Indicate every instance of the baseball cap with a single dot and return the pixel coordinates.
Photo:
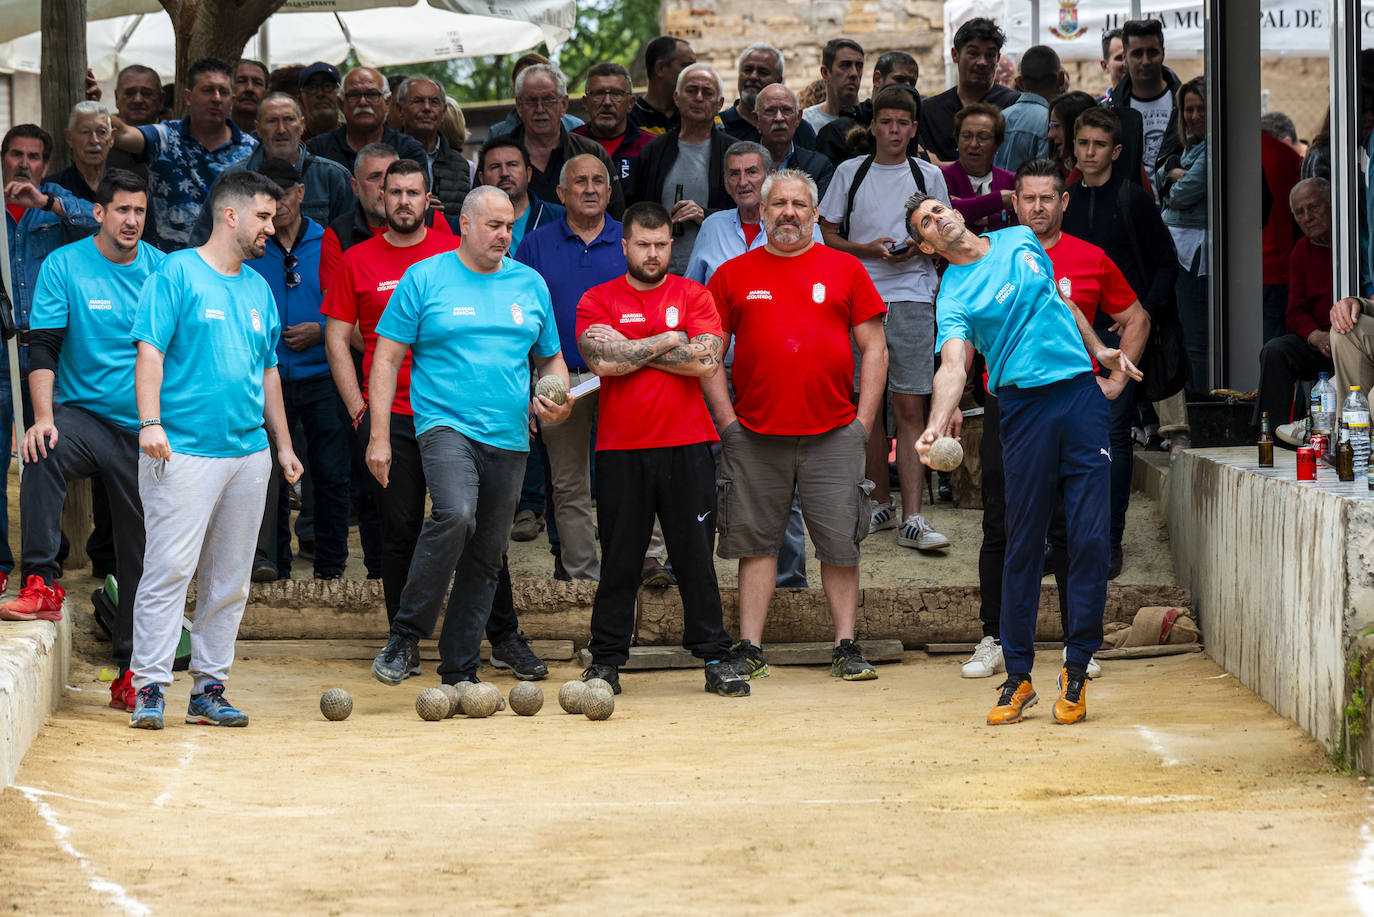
(320, 67)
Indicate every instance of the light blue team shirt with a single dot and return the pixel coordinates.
(1007, 306)
(470, 338)
(93, 300)
(218, 334)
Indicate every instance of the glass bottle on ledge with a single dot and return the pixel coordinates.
(1266, 443)
(1345, 455)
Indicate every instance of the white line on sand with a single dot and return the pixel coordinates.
(1362, 870)
(1140, 800)
(188, 753)
(1156, 745)
(127, 903)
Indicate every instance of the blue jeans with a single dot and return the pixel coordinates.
(312, 404)
(474, 488)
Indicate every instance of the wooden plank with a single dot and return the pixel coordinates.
(548, 650)
(1149, 652)
(937, 649)
(675, 657)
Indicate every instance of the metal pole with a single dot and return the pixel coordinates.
(1035, 22)
(1135, 9)
(1345, 178)
(264, 49)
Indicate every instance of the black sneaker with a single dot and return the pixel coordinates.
(514, 653)
(847, 661)
(397, 661)
(560, 572)
(747, 660)
(722, 678)
(608, 673)
(1115, 562)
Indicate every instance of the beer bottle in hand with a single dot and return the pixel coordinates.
(678, 228)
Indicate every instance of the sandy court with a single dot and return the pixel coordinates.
(1181, 793)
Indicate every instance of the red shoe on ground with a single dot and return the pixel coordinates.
(37, 601)
(122, 695)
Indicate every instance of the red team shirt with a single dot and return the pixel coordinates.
(650, 408)
(362, 287)
(792, 317)
(331, 250)
(1088, 278)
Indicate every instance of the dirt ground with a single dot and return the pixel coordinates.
(1182, 792)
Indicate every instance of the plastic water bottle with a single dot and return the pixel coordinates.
(1356, 417)
(1322, 406)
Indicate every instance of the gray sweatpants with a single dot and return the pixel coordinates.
(201, 519)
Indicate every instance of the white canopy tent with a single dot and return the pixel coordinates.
(122, 32)
(1074, 28)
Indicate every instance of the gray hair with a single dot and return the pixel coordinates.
(404, 89)
(548, 70)
(784, 88)
(1277, 124)
(87, 108)
(563, 172)
(386, 87)
(750, 148)
(282, 97)
(477, 198)
(693, 68)
(761, 46)
(790, 175)
(373, 151)
(913, 204)
(1316, 182)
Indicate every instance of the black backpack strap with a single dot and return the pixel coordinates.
(853, 192)
(1123, 206)
(916, 174)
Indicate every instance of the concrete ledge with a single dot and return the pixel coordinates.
(552, 610)
(1280, 573)
(34, 656)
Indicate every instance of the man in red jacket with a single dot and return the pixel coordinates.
(1282, 168)
(1305, 350)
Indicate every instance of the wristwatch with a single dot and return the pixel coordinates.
(47, 205)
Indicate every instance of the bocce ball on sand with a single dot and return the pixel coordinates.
(454, 696)
(336, 704)
(570, 696)
(432, 704)
(598, 704)
(598, 683)
(526, 698)
(482, 699)
(553, 388)
(946, 454)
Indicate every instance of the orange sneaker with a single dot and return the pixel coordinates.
(1017, 694)
(122, 695)
(37, 601)
(1072, 706)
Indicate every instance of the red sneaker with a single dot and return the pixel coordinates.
(37, 601)
(122, 695)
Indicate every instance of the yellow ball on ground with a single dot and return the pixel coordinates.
(946, 454)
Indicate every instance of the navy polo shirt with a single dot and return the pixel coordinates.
(571, 267)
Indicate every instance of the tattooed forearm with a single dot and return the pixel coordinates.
(618, 358)
(698, 357)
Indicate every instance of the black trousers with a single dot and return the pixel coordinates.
(678, 485)
(993, 552)
(401, 508)
(87, 445)
(1285, 361)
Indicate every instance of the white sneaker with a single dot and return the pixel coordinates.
(986, 660)
(1291, 433)
(917, 533)
(884, 516)
(1094, 670)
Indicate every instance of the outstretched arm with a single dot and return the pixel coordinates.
(698, 357)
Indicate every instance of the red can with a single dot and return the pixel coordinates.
(1318, 442)
(1307, 464)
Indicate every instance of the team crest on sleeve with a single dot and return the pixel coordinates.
(1030, 262)
(1066, 287)
(517, 314)
(818, 292)
(670, 315)
(256, 319)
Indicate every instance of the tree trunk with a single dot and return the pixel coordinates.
(213, 28)
(63, 81)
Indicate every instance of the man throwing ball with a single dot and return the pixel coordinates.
(999, 296)
(651, 337)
